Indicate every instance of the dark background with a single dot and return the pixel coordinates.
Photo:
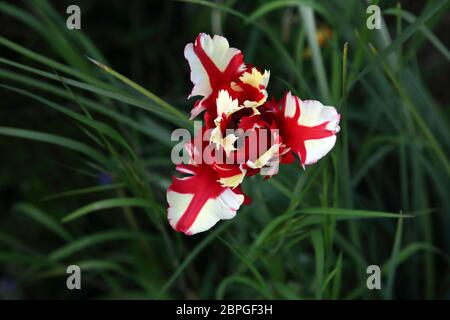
(144, 40)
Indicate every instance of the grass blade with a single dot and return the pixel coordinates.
(107, 204)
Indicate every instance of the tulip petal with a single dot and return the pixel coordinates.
(213, 63)
(308, 127)
(198, 202)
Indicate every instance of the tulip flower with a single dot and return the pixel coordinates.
(244, 132)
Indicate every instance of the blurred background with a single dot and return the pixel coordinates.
(85, 158)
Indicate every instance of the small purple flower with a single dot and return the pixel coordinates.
(105, 178)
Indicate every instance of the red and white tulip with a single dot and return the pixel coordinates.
(234, 96)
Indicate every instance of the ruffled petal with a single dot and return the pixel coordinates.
(213, 64)
(226, 106)
(265, 158)
(308, 127)
(256, 78)
(231, 175)
(198, 202)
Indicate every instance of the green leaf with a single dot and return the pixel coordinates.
(275, 5)
(54, 139)
(423, 28)
(190, 257)
(319, 253)
(407, 33)
(107, 204)
(394, 256)
(350, 213)
(49, 62)
(147, 128)
(309, 24)
(153, 97)
(91, 240)
(87, 190)
(97, 125)
(43, 219)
